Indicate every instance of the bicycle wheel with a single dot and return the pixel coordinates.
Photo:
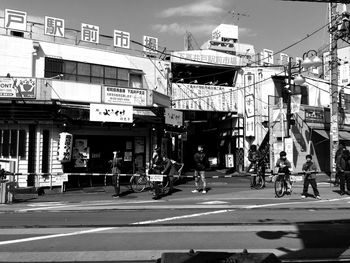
(259, 182)
(279, 186)
(138, 183)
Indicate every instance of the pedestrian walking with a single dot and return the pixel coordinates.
(116, 164)
(309, 168)
(200, 163)
(156, 167)
(338, 153)
(343, 168)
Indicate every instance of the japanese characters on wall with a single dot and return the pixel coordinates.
(204, 97)
(53, 26)
(173, 117)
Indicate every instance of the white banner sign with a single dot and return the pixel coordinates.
(204, 57)
(204, 97)
(125, 96)
(173, 117)
(111, 113)
(17, 88)
(16, 20)
(295, 103)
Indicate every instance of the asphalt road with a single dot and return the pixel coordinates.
(90, 226)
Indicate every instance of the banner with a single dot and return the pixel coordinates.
(111, 113)
(65, 143)
(204, 97)
(295, 103)
(125, 96)
(17, 88)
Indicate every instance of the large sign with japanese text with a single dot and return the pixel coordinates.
(150, 44)
(173, 117)
(90, 33)
(204, 97)
(16, 20)
(111, 113)
(125, 96)
(17, 88)
(121, 39)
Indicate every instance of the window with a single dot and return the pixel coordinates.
(89, 73)
(13, 143)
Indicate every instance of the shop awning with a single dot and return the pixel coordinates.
(343, 135)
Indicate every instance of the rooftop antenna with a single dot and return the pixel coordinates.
(237, 15)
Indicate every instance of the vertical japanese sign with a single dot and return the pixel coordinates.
(249, 98)
(65, 143)
(16, 20)
(284, 58)
(121, 39)
(111, 113)
(150, 44)
(90, 33)
(54, 26)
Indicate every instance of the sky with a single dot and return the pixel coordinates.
(270, 24)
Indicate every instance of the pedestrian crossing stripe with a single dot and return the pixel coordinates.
(213, 203)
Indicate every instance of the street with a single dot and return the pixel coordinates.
(88, 225)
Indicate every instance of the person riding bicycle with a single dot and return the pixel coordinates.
(284, 166)
(257, 160)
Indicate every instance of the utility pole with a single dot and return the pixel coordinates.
(333, 47)
(288, 115)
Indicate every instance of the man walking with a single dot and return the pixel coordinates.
(343, 168)
(309, 168)
(200, 163)
(116, 169)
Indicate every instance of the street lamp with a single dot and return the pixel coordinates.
(193, 82)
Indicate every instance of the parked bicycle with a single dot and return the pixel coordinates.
(141, 182)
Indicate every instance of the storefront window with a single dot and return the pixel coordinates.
(11, 141)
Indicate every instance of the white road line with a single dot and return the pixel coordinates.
(44, 208)
(21, 240)
(182, 217)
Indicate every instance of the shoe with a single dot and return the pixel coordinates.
(204, 192)
(303, 196)
(195, 191)
(115, 196)
(318, 197)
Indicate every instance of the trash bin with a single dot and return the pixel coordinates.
(5, 192)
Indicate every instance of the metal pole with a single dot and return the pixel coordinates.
(334, 132)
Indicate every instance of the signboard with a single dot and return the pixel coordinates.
(267, 56)
(80, 153)
(16, 20)
(284, 59)
(173, 117)
(205, 57)
(229, 161)
(125, 96)
(121, 39)
(204, 97)
(295, 103)
(65, 143)
(111, 113)
(54, 26)
(225, 31)
(249, 98)
(90, 33)
(150, 44)
(17, 88)
(314, 115)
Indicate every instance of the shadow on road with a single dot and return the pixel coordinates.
(320, 240)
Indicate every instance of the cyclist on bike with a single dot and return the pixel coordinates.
(257, 160)
(284, 166)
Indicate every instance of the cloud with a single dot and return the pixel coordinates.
(180, 29)
(197, 9)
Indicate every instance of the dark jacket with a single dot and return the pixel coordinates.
(255, 156)
(343, 164)
(200, 161)
(117, 165)
(309, 167)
